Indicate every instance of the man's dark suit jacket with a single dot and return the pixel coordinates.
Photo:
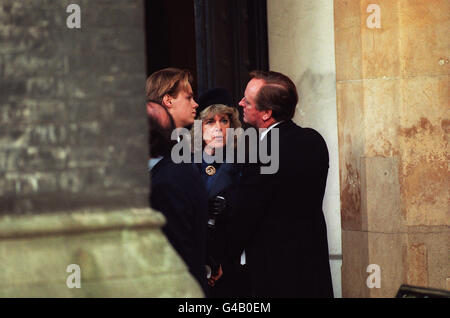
(280, 222)
(179, 193)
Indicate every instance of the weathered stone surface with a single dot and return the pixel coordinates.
(428, 256)
(150, 286)
(381, 204)
(347, 19)
(422, 134)
(120, 254)
(382, 98)
(417, 265)
(392, 99)
(380, 46)
(424, 37)
(355, 259)
(387, 250)
(351, 148)
(67, 98)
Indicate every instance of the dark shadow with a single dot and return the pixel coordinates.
(170, 35)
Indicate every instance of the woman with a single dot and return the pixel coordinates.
(221, 177)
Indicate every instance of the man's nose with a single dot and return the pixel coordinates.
(241, 103)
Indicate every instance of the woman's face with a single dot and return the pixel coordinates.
(215, 130)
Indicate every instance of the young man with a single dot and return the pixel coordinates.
(279, 220)
(171, 87)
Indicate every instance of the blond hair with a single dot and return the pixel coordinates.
(219, 109)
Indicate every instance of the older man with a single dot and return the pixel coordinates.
(280, 222)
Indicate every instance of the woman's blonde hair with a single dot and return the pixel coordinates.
(220, 109)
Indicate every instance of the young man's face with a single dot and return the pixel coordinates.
(183, 108)
(252, 115)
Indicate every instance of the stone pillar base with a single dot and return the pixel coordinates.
(119, 254)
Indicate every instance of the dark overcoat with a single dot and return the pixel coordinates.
(225, 183)
(179, 193)
(279, 219)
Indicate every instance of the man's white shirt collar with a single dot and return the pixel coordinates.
(265, 132)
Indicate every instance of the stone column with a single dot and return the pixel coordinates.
(74, 181)
(392, 67)
(119, 253)
(73, 129)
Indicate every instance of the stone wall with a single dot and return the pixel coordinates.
(119, 253)
(72, 123)
(393, 122)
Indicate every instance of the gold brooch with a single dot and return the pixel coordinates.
(210, 170)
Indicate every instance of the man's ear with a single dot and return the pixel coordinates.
(167, 101)
(266, 114)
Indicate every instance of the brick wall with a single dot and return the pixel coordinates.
(72, 116)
